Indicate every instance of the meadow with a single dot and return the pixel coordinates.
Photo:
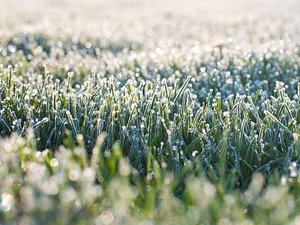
(115, 112)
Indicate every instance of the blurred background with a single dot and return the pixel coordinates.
(190, 22)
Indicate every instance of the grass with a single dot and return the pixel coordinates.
(105, 131)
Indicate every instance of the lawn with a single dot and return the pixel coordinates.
(149, 113)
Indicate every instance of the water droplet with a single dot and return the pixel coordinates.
(6, 202)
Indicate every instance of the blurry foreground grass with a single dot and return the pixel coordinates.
(66, 187)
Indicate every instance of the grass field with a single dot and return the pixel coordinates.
(136, 112)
